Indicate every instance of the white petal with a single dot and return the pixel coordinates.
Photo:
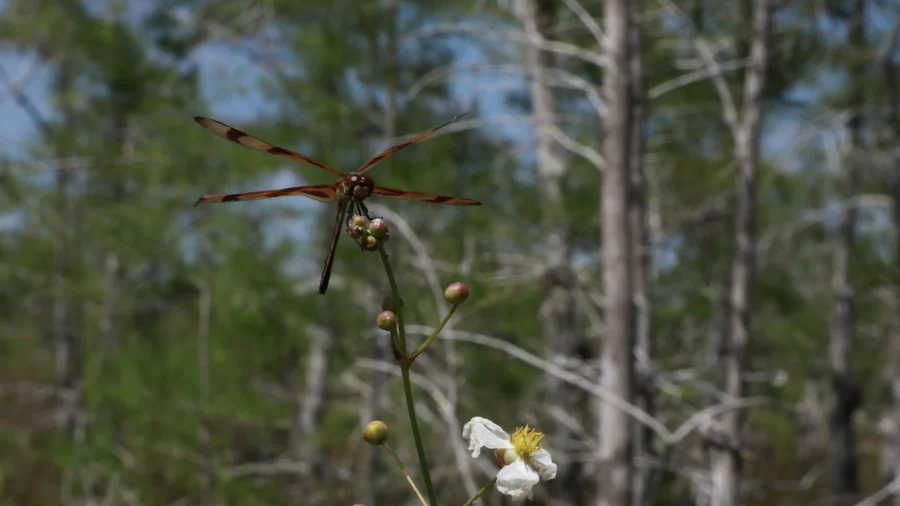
(516, 480)
(483, 432)
(545, 466)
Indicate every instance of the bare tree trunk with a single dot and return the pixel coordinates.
(204, 434)
(893, 89)
(66, 312)
(311, 401)
(844, 473)
(615, 427)
(113, 259)
(641, 257)
(110, 317)
(67, 374)
(726, 460)
(557, 309)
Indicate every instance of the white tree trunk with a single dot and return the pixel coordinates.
(892, 82)
(726, 461)
(643, 488)
(844, 474)
(557, 312)
(615, 427)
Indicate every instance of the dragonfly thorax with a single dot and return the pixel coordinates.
(357, 186)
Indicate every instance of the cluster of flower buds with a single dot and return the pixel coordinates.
(369, 235)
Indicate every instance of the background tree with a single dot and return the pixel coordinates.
(156, 353)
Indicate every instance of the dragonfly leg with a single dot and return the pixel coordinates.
(365, 211)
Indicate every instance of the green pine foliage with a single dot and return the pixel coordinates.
(191, 328)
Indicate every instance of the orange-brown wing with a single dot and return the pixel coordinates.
(244, 139)
(320, 192)
(424, 197)
(393, 150)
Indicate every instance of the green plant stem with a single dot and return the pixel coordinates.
(395, 343)
(405, 364)
(481, 492)
(398, 303)
(436, 332)
(417, 436)
(405, 473)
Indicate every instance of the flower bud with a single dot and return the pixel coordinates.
(375, 433)
(387, 304)
(371, 243)
(357, 221)
(386, 320)
(456, 293)
(379, 228)
(356, 232)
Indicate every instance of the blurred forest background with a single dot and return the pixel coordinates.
(688, 207)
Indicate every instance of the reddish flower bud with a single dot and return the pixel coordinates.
(387, 304)
(456, 293)
(356, 232)
(386, 320)
(357, 221)
(379, 228)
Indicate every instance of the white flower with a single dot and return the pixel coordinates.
(523, 461)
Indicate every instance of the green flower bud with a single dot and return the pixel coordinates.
(371, 243)
(375, 433)
(505, 456)
(456, 293)
(510, 455)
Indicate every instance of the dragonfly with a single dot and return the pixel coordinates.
(350, 190)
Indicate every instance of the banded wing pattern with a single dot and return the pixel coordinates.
(247, 140)
(424, 197)
(320, 192)
(391, 151)
(350, 190)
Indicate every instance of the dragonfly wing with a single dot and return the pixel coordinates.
(320, 192)
(394, 149)
(424, 197)
(247, 140)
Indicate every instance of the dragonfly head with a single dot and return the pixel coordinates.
(358, 186)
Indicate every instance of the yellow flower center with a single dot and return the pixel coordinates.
(526, 441)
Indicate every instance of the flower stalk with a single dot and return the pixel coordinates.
(481, 492)
(405, 364)
(405, 473)
(434, 334)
